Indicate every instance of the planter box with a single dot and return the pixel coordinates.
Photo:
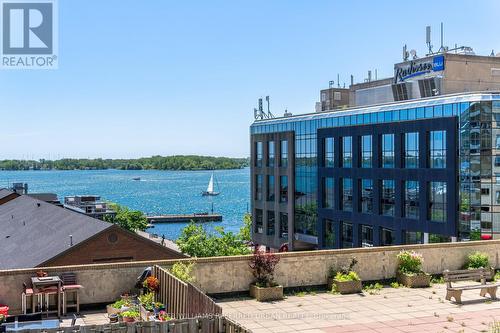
(348, 287)
(266, 294)
(112, 310)
(145, 314)
(420, 280)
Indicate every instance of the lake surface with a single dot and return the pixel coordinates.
(158, 192)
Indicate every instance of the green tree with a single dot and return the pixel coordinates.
(195, 241)
(126, 218)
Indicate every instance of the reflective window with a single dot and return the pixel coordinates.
(346, 200)
(284, 154)
(366, 151)
(329, 240)
(366, 236)
(411, 150)
(270, 154)
(329, 152)
(328, 192)
(366, 196)
(347, 152)
(413, 237)
(347, 235)
(271, 225)
(388, 198)
(437, 201)
(437, 140)
(259, 221)
(387, 237)
(283, 225)
(258, 187)
(283, 188)
(412, 191)
(270, 188)
(258, 154)
(388, 150)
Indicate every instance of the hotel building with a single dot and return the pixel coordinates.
(403, 160)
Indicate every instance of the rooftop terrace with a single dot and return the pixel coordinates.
(387, 310)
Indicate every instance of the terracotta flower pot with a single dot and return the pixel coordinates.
(128, 319)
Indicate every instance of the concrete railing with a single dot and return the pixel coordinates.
(103, 283)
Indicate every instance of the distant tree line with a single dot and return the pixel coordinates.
(180, 162)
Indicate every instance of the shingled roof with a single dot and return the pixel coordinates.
(33, 231)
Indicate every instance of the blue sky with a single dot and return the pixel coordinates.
(155, 77)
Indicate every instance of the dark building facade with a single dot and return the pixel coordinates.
(408, 172)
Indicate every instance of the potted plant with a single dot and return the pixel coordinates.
(152, 284)
(477, 259)
(118, 306)
(346, 280)
(264, 287)
(162, 316)
(130, 316)
(410, 273)
(157, 307)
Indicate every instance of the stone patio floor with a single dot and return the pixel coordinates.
(390, 310)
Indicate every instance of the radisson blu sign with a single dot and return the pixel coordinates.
(417, 67)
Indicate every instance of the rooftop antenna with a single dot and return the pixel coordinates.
(331, 84)
(376, 74)
(428, 38)
(442, 38)
(338, 80)
(352, 79)
(406, 55)
(492, 54)
(413, 54)
(269, 114)
(369, 76)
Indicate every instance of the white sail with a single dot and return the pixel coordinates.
(210, 188)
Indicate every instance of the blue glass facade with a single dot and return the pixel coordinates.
(432, 133)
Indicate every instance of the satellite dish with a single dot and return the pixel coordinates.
(413, 53)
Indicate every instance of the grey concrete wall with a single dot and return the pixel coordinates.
(105, 282)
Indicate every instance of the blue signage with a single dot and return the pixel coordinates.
(438, 63)
(418, 67)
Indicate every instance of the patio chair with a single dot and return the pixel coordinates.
(70, 286)
(35, 298)
(50, 291)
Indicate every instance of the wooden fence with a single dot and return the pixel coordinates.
(183, 300)
(191, 325)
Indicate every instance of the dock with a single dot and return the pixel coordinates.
(183, 218)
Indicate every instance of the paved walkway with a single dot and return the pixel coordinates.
(390, 310)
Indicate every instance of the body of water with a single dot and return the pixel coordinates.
(158, 192)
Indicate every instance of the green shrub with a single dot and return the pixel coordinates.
(131, 314)
(147, 301)
(395, 285)
(120, 303)
(351, 276)
(183, 271)
(373, 289)
(410, 262)
(477, 260)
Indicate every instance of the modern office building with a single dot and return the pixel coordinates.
(416, 169)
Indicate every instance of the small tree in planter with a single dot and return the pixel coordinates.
(477, 259)
(345, 280)
(410, 273)
(265, 288)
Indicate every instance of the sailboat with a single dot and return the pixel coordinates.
(210, 188)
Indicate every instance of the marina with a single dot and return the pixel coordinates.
(185, 218)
